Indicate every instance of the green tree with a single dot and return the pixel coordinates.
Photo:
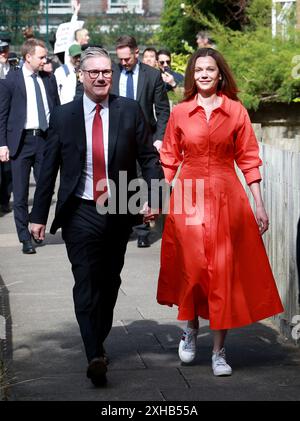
(177, 25)
(125, 23)
(266, 68)
(16, 14)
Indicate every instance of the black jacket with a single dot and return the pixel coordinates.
(151, 95)
(129, 140)
(13, 103)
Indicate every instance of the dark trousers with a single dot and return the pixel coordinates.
(29, 156)
(5, 182)
(97, 260)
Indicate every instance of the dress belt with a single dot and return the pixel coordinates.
(35, 132)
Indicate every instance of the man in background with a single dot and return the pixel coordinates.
(150, 57)
(27, 96)
(143, 83)
(5, 167)
(67, 74)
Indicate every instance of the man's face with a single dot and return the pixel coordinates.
(84, 37)
(76, 61)
(127, 58)
(96, 87)
(164, 61)
(37, 60)
(4, 54)
(202, 42)
(149, 58)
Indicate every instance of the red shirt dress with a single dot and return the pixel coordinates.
(213, 260)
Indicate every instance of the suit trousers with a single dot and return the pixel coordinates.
(5, 182)
(29, 155)
(96, 246)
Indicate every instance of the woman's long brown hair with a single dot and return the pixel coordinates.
(226, 86)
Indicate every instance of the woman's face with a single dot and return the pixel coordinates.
(206, 75)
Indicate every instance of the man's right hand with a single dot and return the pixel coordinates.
(4, 154)
(38, 231)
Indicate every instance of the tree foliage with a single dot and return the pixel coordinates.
(266, 68)
(178, 26)
(125, 23)
(17, 14)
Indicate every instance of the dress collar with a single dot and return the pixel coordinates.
(193, 106)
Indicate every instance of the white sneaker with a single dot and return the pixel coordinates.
(219, 364)
(187, 345)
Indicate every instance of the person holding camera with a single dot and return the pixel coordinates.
(172, 79)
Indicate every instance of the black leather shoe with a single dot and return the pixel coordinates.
(28, 247)
(5, 208)
(96, 371)
(143, 242)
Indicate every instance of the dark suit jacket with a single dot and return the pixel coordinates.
(129, 140)
(13, 105)
(150, 91)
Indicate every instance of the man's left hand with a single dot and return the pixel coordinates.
(150, 215)
(38, 231)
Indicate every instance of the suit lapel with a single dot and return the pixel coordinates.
(114, 117)
(116, 79)
(141, 80)
(46, 84)
(21, 83)
(78, 128)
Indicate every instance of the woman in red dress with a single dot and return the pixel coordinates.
(213, 261)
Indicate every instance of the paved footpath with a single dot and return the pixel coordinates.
(44, 354)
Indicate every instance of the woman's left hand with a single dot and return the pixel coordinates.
(262, 219)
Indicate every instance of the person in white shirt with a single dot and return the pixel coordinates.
(66, 75)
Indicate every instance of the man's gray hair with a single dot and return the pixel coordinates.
(93, 52)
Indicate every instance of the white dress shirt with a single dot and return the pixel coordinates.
(66, 84)
(123, 80)
(4, 69)
(32, 119)
(85, 187)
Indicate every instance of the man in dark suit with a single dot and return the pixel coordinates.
(97, 138)
(27, 97)
(5, 167)
(136, 80)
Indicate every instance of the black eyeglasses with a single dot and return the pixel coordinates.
(94, 74)
(162, 62)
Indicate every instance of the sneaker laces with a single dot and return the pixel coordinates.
(189, 337)
(220, 358)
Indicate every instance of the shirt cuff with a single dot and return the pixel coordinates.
(252, 175)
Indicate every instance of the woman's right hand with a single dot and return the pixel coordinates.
(262, 219)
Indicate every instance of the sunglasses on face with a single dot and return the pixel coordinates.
(162, 62)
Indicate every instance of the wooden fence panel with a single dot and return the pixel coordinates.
(281, 194)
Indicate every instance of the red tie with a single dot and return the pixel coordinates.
(99, 172)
